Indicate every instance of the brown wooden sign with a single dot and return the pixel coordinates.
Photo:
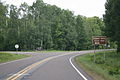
(97, 40)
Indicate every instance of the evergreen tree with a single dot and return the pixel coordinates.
(112, 21)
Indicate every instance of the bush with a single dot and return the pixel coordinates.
(114, 71)
(99, 60)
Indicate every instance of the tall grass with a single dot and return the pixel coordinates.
(109, 68)
(5, 57)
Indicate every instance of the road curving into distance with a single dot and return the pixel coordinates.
(44, 66)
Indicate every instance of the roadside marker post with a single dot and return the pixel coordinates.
(104, 51)
(99, 40)
(16, 46)
(94, 54)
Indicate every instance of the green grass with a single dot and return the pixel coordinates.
(5, 57)
(108, 69)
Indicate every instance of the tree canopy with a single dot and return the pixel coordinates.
(46, 26)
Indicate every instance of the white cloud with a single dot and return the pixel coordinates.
(87, 8)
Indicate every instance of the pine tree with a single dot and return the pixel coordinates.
(112, 21)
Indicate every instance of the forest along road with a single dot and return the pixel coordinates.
(44, 66)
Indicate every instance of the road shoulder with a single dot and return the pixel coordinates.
(81, 72)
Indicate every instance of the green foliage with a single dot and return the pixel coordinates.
(114, 71)
(44, 26)
(99, 60)
(81, 34)
(3, 12)
(112, 21)
(108, 69)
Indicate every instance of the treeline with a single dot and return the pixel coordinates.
(112, 21)
(46, 26)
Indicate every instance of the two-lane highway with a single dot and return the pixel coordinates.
(44, 66)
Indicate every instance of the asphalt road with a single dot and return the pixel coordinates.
(44, 66)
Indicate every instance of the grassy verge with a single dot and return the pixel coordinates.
(108, 69)
(5, 57)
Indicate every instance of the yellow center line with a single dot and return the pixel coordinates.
(17, 75)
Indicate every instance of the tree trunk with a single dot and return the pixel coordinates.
(118, 48)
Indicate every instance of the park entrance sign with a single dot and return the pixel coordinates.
(99, 40)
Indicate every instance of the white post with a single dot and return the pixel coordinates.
(16, 46)
(94, 54)
(104, 51)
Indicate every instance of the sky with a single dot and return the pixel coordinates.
(88, 8)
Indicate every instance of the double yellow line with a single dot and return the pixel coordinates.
(20, 73)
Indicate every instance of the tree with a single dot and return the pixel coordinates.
(3, 25)
(12, 31)
(93, 27)
(112, 21)
(81, 34)
(45, 26)
(25, 27)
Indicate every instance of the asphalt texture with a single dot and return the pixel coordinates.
(58, 68)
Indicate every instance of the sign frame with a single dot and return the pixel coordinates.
(99, 40)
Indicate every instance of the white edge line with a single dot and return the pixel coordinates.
(77, 69)
(14, 61)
